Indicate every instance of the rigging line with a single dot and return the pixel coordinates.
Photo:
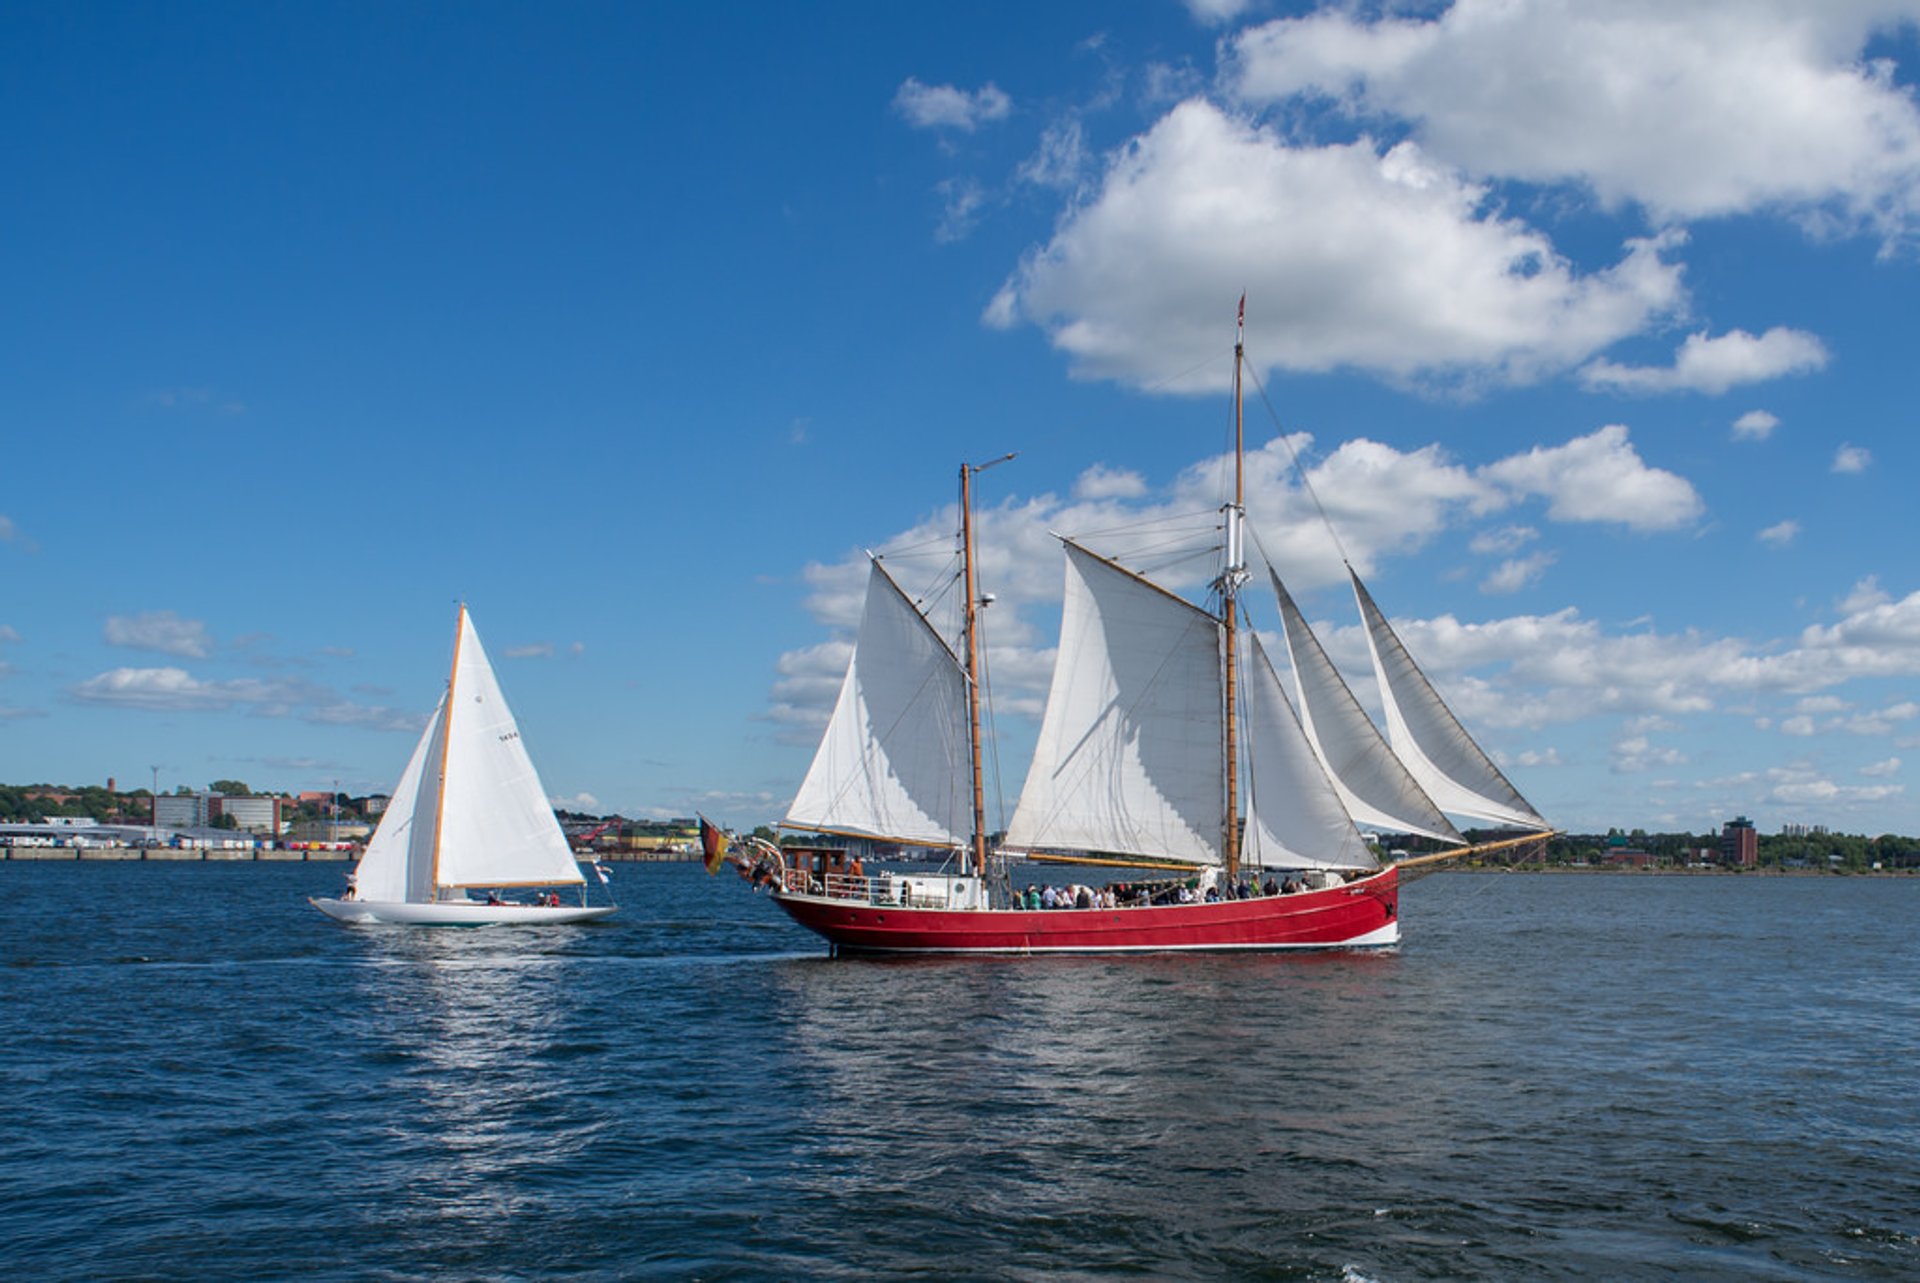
(1293, 458)
(1211, 515)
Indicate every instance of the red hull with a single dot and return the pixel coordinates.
(1362, 913)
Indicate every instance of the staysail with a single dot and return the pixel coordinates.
(1374, 784)
(398, 863)
(893, 761)
(1128, 757)
(1295, 816)
(1437, 751)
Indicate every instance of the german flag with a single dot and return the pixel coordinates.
(713, 845)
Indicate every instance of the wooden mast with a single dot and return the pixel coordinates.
(1231, 577)
(446, 746)
(972, 617)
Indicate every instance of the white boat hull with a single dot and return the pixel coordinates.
(457, 913)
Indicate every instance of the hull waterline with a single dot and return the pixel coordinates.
(1358, 914)
(457, 913)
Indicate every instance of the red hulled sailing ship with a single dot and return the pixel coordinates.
(1167, 745)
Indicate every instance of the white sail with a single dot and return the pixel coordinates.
(398, 863)
(497, 827)
(893, 762)
(1129, 753)
(1374, 785)
(1295, 817)
(1437, 751)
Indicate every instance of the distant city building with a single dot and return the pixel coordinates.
(183, 810)
(374, 805)
(255, 814)
(1739, 844)
(1803, 830)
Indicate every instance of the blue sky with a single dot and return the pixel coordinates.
(632, 325)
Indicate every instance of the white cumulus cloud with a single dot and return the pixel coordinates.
(945, 107)
(1852, 458)
(1697, 110)
(1713, 365)
(162, 631)
(1351, 257)
(1780, 534)
(1754, 425)
(1601, 477)
(1516, 573)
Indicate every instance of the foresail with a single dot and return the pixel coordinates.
(398, 863)
(893, 761)
(1426, 736)
(1295, 817)
(496, 826)
(1129, 754)
(1372, 782)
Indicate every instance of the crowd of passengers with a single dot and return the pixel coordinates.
(1125, 895)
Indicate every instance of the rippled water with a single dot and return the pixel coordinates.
(1553, 1076)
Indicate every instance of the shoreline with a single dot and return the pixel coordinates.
(210, 855)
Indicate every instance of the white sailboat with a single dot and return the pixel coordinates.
(468, 814)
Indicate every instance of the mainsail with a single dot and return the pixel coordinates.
(893, 761)
(1128, 757)
(1437, 751)
(497, 827)
(1295, 815)
(1372, 782)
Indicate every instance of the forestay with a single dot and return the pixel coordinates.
(1437, 751)
(1128, 759)
(1295, 819)
(893, 761)
(1374, 785)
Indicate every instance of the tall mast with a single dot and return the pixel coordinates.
(972, 616)
(446, 745)
(1231, 577)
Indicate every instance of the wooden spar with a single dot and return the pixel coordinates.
(1033, 857)
(1479, 848)
(973, 660)
(446, 745)
(1229, 588)
(973, 670)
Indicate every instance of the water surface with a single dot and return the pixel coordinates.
(1553, 1076)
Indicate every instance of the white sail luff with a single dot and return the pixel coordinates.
(892, 762)
(1436, 749)
(1375, 785)
(1128, 757)
(1295, 815)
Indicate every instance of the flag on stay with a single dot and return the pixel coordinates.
(601, 870)
(713, 844)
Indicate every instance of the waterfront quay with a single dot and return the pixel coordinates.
(266, 855)
(169, 853)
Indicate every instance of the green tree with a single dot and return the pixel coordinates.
(232, 788)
